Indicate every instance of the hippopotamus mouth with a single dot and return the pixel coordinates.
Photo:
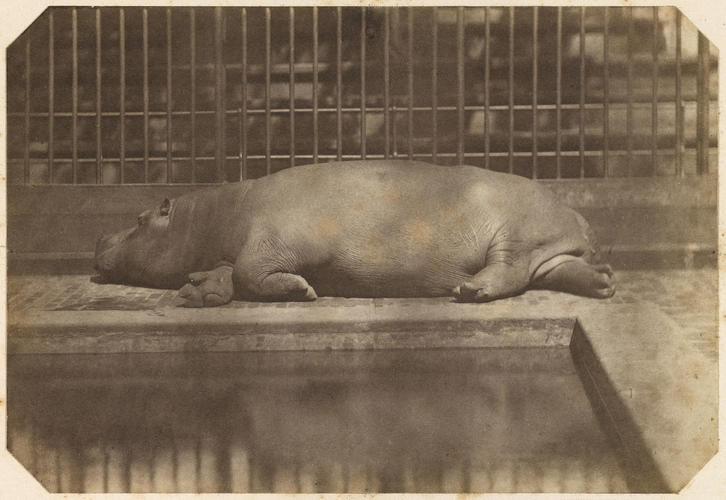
(106, 257)
(100, 279)
(104, 274)
(104, 270)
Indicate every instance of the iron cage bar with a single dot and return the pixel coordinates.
(388, 109)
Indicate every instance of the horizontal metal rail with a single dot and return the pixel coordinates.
(369, 109)
(279, 71)
(473, 154)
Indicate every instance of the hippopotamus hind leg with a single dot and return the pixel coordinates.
(578, 277)
(208, 288)
(495, 281)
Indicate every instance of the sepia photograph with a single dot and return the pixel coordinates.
(361, 249)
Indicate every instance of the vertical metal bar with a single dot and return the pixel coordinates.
(387, 83)
(292, 86)
(316, 135)
(511, 89)
(654, 104)
(396, 29)
(363, 34)
(268, 114)
(606, 92)
(535, 60)
(706, 94)
(26, 114)
(558, 97)
(339, 81)
(629, 117)
(74, 109)
(434, 84)
(243, 104)
(409, 27)
(679, 97)
(193, 90)
(51, 93)
(122, 92)
(219, 95)
(702, 118)
(99, 142)
(487, 76)
(582, 92)
(145, 56)
(168, 95)
(460, 75)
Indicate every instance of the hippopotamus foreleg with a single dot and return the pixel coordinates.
(216, 287)
(208, 288)
(578, 277)
(495, 281)
(276, 287)
(265, 271)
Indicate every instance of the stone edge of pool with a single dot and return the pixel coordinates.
(653, 393)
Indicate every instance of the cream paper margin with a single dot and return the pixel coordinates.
(16, 15)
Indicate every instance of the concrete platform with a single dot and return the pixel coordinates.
(687, 297)
(647, 357)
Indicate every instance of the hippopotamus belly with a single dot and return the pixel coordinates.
(361, 229)
(408, 262)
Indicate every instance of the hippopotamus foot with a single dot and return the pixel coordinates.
(281, 287)
(208, 288)
(578, 277)
(495, 281)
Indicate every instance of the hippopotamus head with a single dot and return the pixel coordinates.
(140, 255)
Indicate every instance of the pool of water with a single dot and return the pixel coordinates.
(447, 420)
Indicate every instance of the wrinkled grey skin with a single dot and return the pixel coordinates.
(360, 229)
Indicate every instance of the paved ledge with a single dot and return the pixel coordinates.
(640, 354)
(296, 328)
(35, 303)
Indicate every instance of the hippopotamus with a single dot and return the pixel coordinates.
(385, 228)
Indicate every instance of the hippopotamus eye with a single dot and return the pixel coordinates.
(140, 220)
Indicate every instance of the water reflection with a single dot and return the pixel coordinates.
(504, 420)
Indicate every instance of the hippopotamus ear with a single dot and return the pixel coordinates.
(165, 206)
